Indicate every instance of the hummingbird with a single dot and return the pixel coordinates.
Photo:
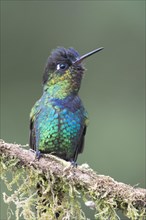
(58, 120)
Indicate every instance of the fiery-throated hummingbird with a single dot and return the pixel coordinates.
(58, 119)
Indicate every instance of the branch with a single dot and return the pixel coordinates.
(99, 192)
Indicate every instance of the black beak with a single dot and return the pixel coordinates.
(87, 55)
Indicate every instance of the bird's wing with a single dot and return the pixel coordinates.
(80, 146)
(32, 137)
(32, 134)
(82, 140)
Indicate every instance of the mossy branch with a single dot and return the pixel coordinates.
(61, 187)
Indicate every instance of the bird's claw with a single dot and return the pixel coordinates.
(74, 163)
(37, 153)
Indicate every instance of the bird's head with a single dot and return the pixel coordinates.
(65, 69)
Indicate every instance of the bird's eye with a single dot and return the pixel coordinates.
(62, 66)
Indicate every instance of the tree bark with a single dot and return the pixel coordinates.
(83, 178)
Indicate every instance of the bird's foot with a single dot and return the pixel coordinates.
(71, 165)
(37, 153)
(74, 163)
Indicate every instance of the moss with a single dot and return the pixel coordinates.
(46, 196)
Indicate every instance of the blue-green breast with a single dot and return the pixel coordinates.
(58, 125)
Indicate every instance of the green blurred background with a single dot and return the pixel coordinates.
(112, 90)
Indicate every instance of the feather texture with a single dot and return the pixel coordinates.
(58, 120)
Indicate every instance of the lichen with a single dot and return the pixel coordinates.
(45, 196)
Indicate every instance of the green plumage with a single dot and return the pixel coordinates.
(58, 120)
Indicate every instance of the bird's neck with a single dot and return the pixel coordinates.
(61, 89)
